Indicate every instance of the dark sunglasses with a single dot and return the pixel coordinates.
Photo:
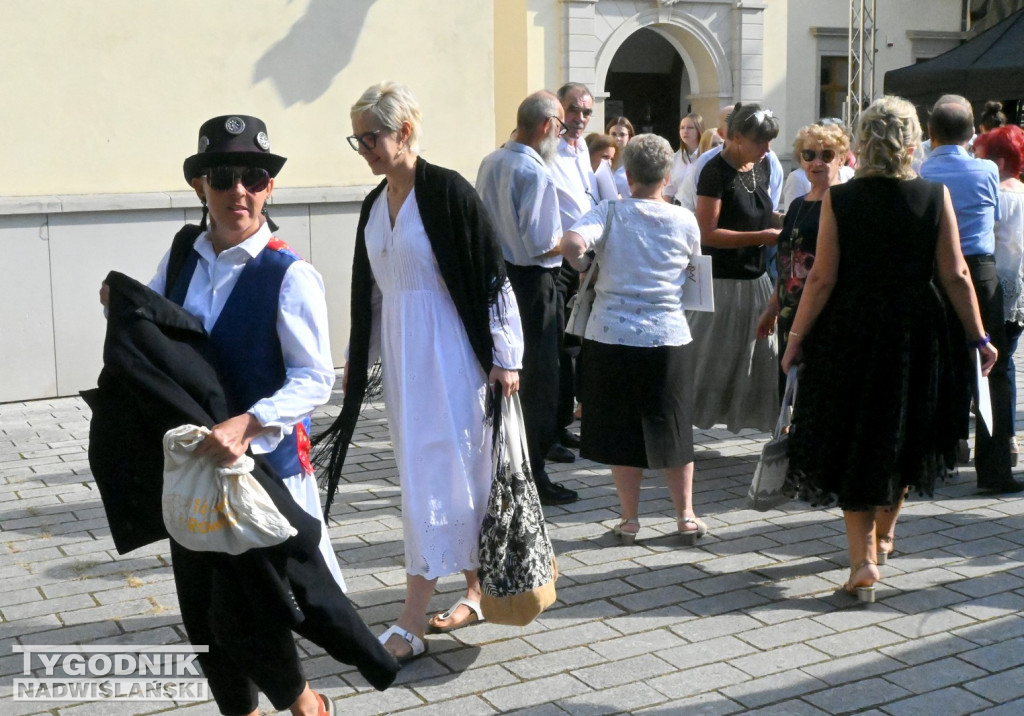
(366, 140)
(809, 155)
(254, 179)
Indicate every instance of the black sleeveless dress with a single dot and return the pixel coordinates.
(873, 411)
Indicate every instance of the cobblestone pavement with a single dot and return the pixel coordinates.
(746, 622)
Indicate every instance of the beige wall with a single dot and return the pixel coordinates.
(107, 96)
(103, 100)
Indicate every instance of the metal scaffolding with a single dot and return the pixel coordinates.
(860, 82)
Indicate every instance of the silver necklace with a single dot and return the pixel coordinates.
(741, 176)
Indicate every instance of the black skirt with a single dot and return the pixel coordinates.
(637, 405)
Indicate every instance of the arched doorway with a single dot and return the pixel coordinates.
(692, 70)
(646, 83)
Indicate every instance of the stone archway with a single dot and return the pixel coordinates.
(719, 41)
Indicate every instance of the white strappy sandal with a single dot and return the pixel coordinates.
(419, 647)
(476, 615)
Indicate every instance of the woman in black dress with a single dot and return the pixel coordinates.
(871, 418)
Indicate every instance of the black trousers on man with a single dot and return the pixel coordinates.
(991, 443)
(537, 296)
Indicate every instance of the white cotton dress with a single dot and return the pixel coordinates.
(434, 394)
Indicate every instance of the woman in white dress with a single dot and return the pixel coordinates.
(429, 289)
(621, 130)
(691, 127)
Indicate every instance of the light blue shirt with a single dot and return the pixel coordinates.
(974, 188)
(519, 192)
(643, 248)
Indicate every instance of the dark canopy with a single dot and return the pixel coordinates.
(990, 66)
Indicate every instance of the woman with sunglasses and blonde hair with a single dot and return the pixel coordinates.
(822, 152)
(430, 294)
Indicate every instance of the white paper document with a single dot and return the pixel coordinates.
(698, 291)
(983, 400)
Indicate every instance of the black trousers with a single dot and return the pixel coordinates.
(569, 363)
(248, 652)
(992, 444)
(537, 296)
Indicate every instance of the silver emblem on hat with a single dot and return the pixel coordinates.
(204, 142)
(234, 125)
(261, 139)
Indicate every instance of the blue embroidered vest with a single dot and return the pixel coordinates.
(245, 348)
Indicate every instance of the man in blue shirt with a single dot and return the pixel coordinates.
(516, 186)
(974, 188)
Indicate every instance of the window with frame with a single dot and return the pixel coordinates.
(832, 85)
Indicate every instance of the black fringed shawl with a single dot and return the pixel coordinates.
(466, 247)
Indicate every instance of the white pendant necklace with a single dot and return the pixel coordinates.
(742, 177)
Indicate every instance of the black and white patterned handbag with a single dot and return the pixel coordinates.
(517, 562)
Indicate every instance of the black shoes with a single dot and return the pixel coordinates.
(570, 439)
(554, 493)
(1009, 487)
(560, 453)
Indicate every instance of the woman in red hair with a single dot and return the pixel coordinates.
(1005, 146)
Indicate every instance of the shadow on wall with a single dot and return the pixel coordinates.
(304, 62)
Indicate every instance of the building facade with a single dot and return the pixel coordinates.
(103, 101)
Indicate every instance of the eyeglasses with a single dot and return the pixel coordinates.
(809, 155)
(366, 140)
(254, 179)
(563, 129)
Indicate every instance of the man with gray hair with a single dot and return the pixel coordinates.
(579, 190)
(518, 190)
(974, 189)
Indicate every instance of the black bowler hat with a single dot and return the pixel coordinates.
(234, 139)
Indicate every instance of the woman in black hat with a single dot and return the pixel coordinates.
(265, 313)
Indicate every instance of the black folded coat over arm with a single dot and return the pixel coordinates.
(155, 377)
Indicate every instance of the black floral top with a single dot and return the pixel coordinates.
(797, 244)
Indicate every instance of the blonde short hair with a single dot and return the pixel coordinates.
(831, 135)
(393, 104)
(887, 133)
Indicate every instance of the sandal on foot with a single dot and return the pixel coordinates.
(327, 708)
(690, 536)
(418, 646)
(863, 592)
(434, 626)
(628, 536)
(883, 554)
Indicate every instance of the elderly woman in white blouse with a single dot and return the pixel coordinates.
(636, 374)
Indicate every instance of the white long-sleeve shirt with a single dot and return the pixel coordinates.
(301, 329)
